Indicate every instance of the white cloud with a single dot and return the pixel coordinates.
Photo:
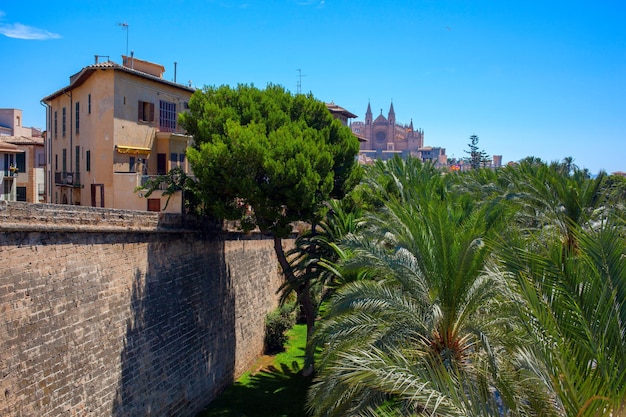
(20, 31)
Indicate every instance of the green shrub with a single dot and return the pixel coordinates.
(276, 325)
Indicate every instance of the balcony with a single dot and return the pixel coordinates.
(145, 178)
(69, 179)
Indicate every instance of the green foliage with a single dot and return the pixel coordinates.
(315, 252)
(277, 323)
(267, 157)
(574, 308)
(615, 187)
(554, 200)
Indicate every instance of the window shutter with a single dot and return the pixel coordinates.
(140, 110)
(151, 112)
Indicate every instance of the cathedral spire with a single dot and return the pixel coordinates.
(392, 114)
(368, 114)
(411, 125)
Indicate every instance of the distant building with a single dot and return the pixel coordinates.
(22, 159)
(11, 124)
(384, 137)
(340, 113)
(463, 164)
(112, 128)
(432, 154)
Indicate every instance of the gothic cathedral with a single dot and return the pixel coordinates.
(385, 135)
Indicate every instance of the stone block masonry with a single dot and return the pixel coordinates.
(119, 313)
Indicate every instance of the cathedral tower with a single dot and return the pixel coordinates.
(368, 125)
(391, 118)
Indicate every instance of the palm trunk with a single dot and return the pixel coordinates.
(306, 304)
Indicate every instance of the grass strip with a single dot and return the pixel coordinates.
(274, 387)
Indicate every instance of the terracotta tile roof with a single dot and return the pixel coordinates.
(333, 108)
(80, 77)
(21, 140)
(9, 148)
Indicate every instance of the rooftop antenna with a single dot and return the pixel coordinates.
(125, 26)
(299, 84)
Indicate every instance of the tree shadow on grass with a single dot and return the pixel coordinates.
(272, 392)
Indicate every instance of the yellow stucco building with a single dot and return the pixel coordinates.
(112, 128)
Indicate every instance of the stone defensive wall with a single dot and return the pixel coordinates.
(122, 313)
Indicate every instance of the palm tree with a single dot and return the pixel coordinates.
(312, 257)
(574, 308)
(431, 334)
(553, 201)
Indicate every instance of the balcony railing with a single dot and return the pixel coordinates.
(71, 179)
(145, 178)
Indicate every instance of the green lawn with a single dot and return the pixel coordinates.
(277, 391)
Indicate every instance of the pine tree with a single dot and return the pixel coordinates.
(477, 158)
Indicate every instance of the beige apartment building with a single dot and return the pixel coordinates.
(22, 159)
(113, 127)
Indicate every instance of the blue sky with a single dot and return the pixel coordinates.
(541, 78)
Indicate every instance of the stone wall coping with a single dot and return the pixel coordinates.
(17, 216)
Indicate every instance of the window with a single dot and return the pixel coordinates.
(88, 161)
(161, 163)
(131, 164)
(167, 116)
(77, 167)
(63, 123)
(56, 162)
(20, 162)
(17, 120)
(77, 117)
(88, 103)
(20, 194)
(145, 111)
(41, 159)
(181, 158)
(8, 160)
(64, 160)
(55, 123)
(154, 204)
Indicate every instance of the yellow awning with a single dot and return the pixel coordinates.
(135, 150)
